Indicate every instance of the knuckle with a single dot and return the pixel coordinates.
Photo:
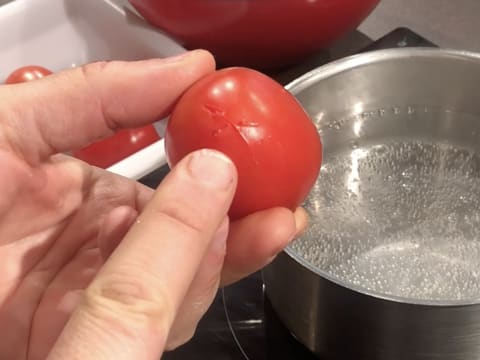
(111, 109)
(183, 215)
(129, 304)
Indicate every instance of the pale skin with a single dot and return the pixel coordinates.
(95, 266)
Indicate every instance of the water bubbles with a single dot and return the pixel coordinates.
(410, 225)
(335, 125)
(408, 174)
(354, 144)
(407, 186)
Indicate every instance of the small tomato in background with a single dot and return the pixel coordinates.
(27, 73)
(260, 126)
(123, 143)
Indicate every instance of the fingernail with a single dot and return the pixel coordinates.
(160, 62)
(212, 168)
(301, 221)
(176, 58)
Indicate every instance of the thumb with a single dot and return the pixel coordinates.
(156, 271)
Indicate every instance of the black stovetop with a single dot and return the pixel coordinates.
(241, 323)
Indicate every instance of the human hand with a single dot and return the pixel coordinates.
(96, 266)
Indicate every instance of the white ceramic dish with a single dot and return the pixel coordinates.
(59, 34)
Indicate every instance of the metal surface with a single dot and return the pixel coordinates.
(389, 268)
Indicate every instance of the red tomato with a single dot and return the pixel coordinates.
(260, 126)
(123, 143)
(27, 73)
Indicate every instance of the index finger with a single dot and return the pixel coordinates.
(73, 108)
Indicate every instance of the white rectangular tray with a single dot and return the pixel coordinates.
(60, 34)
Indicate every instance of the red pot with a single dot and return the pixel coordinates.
(256, 33)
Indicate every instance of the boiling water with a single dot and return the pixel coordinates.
(399, 218)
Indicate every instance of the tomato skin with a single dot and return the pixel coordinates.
(123, 143)
(260, 126)
(26, 74)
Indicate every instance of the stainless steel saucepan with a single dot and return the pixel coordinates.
(390, 266)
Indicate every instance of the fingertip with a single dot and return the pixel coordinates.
(271, 229)
(204, 56)
(196, 61)
(301, 220)
(279, 225)
(255, 240)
